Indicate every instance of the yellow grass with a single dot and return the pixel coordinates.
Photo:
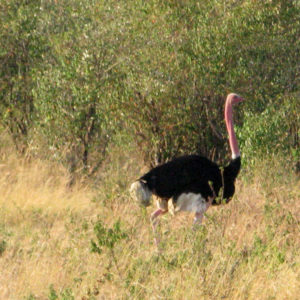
(248, 249)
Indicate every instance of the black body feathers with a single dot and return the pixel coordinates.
(192, 174)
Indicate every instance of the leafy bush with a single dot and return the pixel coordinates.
(190, 56)
(73, 92)
(23, 47)
(274, 131)
(74, 73)
(108, 238)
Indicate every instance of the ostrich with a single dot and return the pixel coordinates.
(192, 182)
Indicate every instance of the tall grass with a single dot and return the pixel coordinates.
(248, 249)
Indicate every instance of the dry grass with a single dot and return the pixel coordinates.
(248, 249)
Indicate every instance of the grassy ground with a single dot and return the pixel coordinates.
(248, 249)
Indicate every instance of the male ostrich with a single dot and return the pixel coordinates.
(192, 182)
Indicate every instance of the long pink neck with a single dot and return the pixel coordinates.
(229, 124)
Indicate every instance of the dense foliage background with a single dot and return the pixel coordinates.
(76, 74)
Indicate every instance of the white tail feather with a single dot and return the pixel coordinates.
(140, 193)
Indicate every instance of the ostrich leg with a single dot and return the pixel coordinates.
(154, 222)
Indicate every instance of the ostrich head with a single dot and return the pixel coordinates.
(233, 98)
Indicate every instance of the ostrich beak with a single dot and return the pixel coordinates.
(240, 99)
